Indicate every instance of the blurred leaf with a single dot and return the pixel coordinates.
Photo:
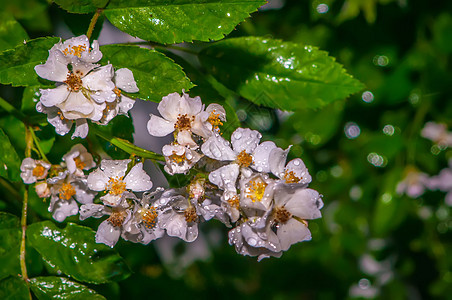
(52, 287)
(11, 32)
(81, 6)
(46, 137)
(169, 22)
(74, 251)
(15, 130)
(390, 208)
(14, 288)
(10, 234)
(278, 74)
(442, 32)
(9, 160)
(156, 75)
(17, 65)
(24, 9)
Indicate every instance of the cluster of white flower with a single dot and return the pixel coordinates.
(438, 134)
(243, 183)
(85, 90)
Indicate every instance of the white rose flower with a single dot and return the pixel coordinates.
(78, 159)
(78, 49)
(437, 133)
(33, 170)
(295, 172)
(179, 159)
(178, 114)
(111, 177)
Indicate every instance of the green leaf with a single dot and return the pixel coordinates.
(24, 9)
(81, 6)
(10, 235)
(52, 287)
(11, 32)
(14, 288)
(9, 160)
(169, 22)
(74, 251)
(17, 65)
(278, 74)
(156, 75)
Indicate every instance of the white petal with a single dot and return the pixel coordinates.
(81, 129)
(97, 180)
(292, 232)
(100, 79)
(158, 126)
(55, 68)
(261, 156)
(52, 97)
(277, 161)
(225, 177)
(125, 104)
(304, 203)
(299, 169)
(76, 106)
(184, 138)
(245, 139)
(169, 107)
(218, 148)
(82, 194)
(65, 209)
(91, 210)
(125, 81)
(114, 168)
(82, 68)
(138, 180)
(190, 106)
(107, 234)
(94, 55)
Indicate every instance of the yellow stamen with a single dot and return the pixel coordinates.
(177, 158)
(116, 186)
(244, 159)
(66, 191)
(75, 50)
(234, 202)
(256, 190)
(149, 217)
(79, 163)
(117, 92)
(290, 177)
(39, 171)
(214, 119)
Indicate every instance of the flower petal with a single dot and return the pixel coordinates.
(114, 168)
(107, 234)
(138, 180)
(158, 126)
(97, 180)
(261, 156)
(169, 107)
(299, 170)
(55, 68)
(65, 209)
(92, 210)
(81, 129)
(125, 81)
(52, 97)
(245, 139)
(218, 148)
(225, 177)
(304, 203)
(277, 161)
(292, 232)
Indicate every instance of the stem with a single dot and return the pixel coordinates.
(38, 146)
(93, 22)
(416, 124)
(12, 110)
(23, 222)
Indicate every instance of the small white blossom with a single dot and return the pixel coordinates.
(437, 133)
(78, 159)
(78, 49)
(443, 182)
(295, 172)
(179, 159)
(33, 170)
(413, 184)
(111, 177)
(178, 115)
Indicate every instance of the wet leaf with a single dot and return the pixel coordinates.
(169, 22)
(278, 74)
(17, 65)
(52, 287)
(11, 32)
(10, 235)
(81, 6)
(9, 160)
(13, 288)
(156, 75)
(74, 251)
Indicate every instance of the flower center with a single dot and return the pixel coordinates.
(190, 215)
(244, 159)
(178, 159)
(281, 215)
(74, 82)
(39, 171)
(183, 122)
(79, 163)
(117, 218)
(116, 186)
(149, 217)
(214, 119)
(117, 92)
(256, 190)
(234, 202)
(66, 191)
(75, 50)
(290, 177)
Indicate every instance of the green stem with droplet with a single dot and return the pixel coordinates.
(93, 22)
